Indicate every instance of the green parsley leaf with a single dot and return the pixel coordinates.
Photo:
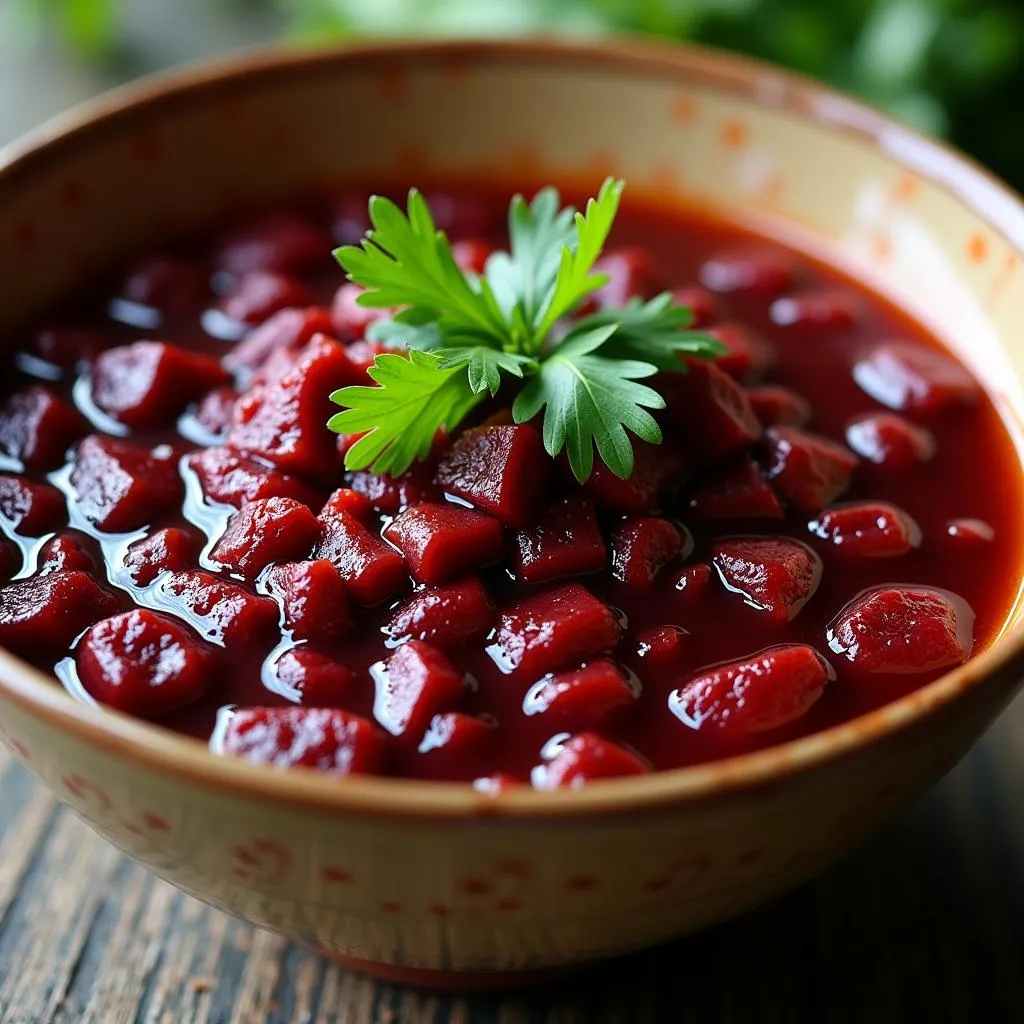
(413, 399)
(591, 400)
(484, 365)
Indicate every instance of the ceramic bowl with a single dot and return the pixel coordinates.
(432, 882)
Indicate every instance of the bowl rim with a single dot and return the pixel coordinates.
(161, 750)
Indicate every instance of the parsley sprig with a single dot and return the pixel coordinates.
(467, 336)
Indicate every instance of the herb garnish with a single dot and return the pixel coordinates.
(468, 336)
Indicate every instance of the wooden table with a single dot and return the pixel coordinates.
(924, 926)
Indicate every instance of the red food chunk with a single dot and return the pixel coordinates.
(148, 383)
(349, 319)
(313, 679)
(587, 757)
(232, 479)
(270, 530)
(760, 273)
(66, 551)
(699, 301)
(779, 407)
(314, 605)
(46, 613)
(889, 440)
(388, 494)
(29, 508)
(451, 740)
(736, 490)
(65, 347)
(809, 470)
(346, 500)
(167, 284)
(692, 583)
(910, 378)
(970, 533)
(657, 469)
(371, 569)
(10, 559)
(214, 413)
(327, 739)
(642, 547)
(286, 331)
(566, 541)
(710, 411)
(869, 529)
(583, 698)
(775, 575)
(144, 664)
(414, 684)
(632, 274)
(448, 616)
(279, 241)
(662, 648)
(501, 470)
(903, 630)
(816, 313)
(748, 355)
(440, 542)
(120, 487)
(363, 355)
(223, 612)
(37, 428)
(552, 630)
(260, 294)
(755, 694)
(286, 421)
(471, 254)
(171, 549)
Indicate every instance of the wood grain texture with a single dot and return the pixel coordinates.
(926, 924)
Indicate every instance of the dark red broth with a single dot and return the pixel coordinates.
(750, 530)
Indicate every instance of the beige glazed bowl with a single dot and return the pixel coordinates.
(431, 882)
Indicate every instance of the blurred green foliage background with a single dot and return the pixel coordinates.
(951, 67)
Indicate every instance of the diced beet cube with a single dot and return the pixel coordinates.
(143, 663)
(642, 547)
(37, 428)
(809, 470)
(710, 411)
(363, 355)
(903, 630)
(414, 684)
(699, 301)
(553, 630)
(582, 698)
(120, 487)
(29, 508)
(754, 694)
(448, 616)
(692, 583)
(171, 549)
(662, 648)
(779, 407)
(313, 679)
(451, 739)
(46, 613)
(350, 320)
(761, 273)
(214, 412)
(389, 494)
(748, 355)
(279, 241)
(910, 378)
(287, 330)
(168, 284)
(657, 469)
(265, 531)
(440, 542)
(735, 490)
(148, 383)
(868, 529)
(889, 440)
(346, 500)
(472, 254)
(232, 479)
(501, 470)
(260, 294)
(565, 541)
(65, 347)
(816, 313)
(969, 533)
(314, 605)
(372, 570)
(327, 739)
(632, 274)
(221, 611)
(587, 757)
(775, 575)
(286, 422)
(66, 551)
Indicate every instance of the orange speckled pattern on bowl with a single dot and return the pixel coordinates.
(426, 879)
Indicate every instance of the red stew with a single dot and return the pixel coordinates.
(833, 520)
